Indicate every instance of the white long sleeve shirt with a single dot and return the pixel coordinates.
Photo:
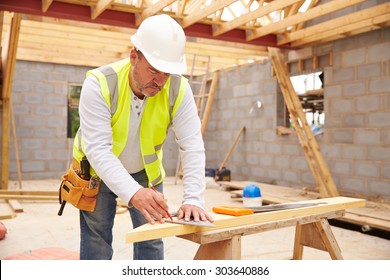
(95, 123)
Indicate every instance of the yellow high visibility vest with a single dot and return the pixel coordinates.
(157, 117)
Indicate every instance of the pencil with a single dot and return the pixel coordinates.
(169, 215)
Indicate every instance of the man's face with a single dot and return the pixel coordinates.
(145, 80)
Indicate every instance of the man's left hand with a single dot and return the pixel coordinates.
(188, 211)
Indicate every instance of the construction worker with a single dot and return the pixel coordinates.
(126, 109)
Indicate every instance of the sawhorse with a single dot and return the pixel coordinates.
(312, 231)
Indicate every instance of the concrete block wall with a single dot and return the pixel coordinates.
(39, 98)
(355, 144)
(357, 123)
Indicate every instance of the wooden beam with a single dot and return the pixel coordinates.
(300, 25)
(209, 103)
(100, 7)
(2, 21)
(301, 17)
(264, 10)
(363, 23)
(349, 19)
(202, 13)
(8, 58)
(29, 192)
(28, 197)
(149, 231)
(46, 4)
(152, 10)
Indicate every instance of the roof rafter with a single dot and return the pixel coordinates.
(152, 10)
(212, 8)
(100, 7)
(46, 4)
(265, 10)
(370, 16)
(302, 17)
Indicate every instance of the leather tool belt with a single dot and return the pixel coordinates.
(79, 192)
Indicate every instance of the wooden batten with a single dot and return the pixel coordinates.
(8, 58)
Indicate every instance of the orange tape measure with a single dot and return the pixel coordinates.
(231, 210)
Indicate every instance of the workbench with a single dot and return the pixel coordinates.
(223, 242)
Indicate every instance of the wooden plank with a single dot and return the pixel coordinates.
(149, 231)
(28, 192)
(361, 219)
(6, 211)
(8, 58)
(223, 164)
(281, 193)
(15, 205)
(28, 197)
(209, 103)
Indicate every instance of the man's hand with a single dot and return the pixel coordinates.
(151, 204)
(188, 211)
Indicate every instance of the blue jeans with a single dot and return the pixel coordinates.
(96, 227)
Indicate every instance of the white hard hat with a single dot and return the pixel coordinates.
(162, 41)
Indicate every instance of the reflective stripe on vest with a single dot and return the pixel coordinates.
(158, 113)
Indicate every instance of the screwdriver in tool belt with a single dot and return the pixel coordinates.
(169, 215)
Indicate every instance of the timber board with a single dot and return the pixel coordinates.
(149, 231)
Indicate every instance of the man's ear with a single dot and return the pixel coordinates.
(133, 56)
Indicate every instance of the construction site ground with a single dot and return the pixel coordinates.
(39, 226)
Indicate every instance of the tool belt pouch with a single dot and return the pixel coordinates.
(78, 191)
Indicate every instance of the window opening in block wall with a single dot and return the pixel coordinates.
(73, 110)
(310, 90)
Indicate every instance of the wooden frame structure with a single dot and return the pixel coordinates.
(232, 32)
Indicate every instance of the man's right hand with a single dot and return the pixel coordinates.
(151, 204)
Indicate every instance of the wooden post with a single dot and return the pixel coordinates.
(229, 249)
(210, 99)
(8, 63)
(231, 148)
(317, 235)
